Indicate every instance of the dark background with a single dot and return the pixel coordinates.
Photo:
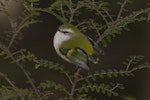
(38, 39)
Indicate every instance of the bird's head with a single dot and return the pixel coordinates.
(68, 29)
(65, 32)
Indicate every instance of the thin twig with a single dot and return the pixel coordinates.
(97, 31)
(17, 29)
(108, 14)
(27, 76)
(121, 9)
(69, 78)
(103, 16)
(116, 22)
(72, 15)
(115, 87)
(12, 84)
(129, 63)
(105, 33)
(76, 78)
(7, 51)
(72, 11)
(62, 10)
(60, 18)
(8, 80)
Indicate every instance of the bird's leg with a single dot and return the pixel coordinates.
(76, 78)
(77, 73)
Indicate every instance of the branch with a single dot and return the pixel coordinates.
(105, 33)
(60, 18)
(115, 87)
(103, 16)
(108, 14)
(129, 63)
(8, 80)
(8, 52)
(124, 20)
(121, 9)
(12, 84)
(72, 11)
(17, 29)
(76, 78)
(97, 31)
(69, 78)
(27, 76)
(62, 10)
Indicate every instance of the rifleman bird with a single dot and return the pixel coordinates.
(73, 46)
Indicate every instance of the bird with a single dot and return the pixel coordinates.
(74, 47)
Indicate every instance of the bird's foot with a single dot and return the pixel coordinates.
(77, 74)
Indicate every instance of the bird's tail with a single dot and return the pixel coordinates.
(94, 58)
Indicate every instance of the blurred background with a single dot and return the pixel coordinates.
(38, 39)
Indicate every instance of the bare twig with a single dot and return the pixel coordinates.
(18, 28)
(116, 23)
(76, 78)
(103, 16)
(108, 14)
(12, 84)
(129, 63)
(27, 76)
(72, 11)
(60, 18)
(105, 33)
(97, 31)
(72, 15)
(121, 9)
(115, 87)
(8, 80)
(62, 10)
(8, 52)
(69, 78)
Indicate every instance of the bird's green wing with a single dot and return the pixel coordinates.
(76, 56)
(95, 46)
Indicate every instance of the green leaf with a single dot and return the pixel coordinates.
(115, 94)
(86, 90)
(104, 43)
(108, 37)
(109, 94)
(98, 90)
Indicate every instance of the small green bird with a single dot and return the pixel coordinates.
(74, 47)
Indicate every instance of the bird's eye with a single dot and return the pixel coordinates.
(65, 32)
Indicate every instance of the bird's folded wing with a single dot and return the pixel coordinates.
(76, 56)
(95, 46)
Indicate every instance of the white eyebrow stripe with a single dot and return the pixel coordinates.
(67, 30)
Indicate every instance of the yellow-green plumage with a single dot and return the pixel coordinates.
(73, 46)
(79, 41)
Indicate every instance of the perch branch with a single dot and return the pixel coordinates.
(76, 78)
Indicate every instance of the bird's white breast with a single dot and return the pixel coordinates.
(60, 38)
